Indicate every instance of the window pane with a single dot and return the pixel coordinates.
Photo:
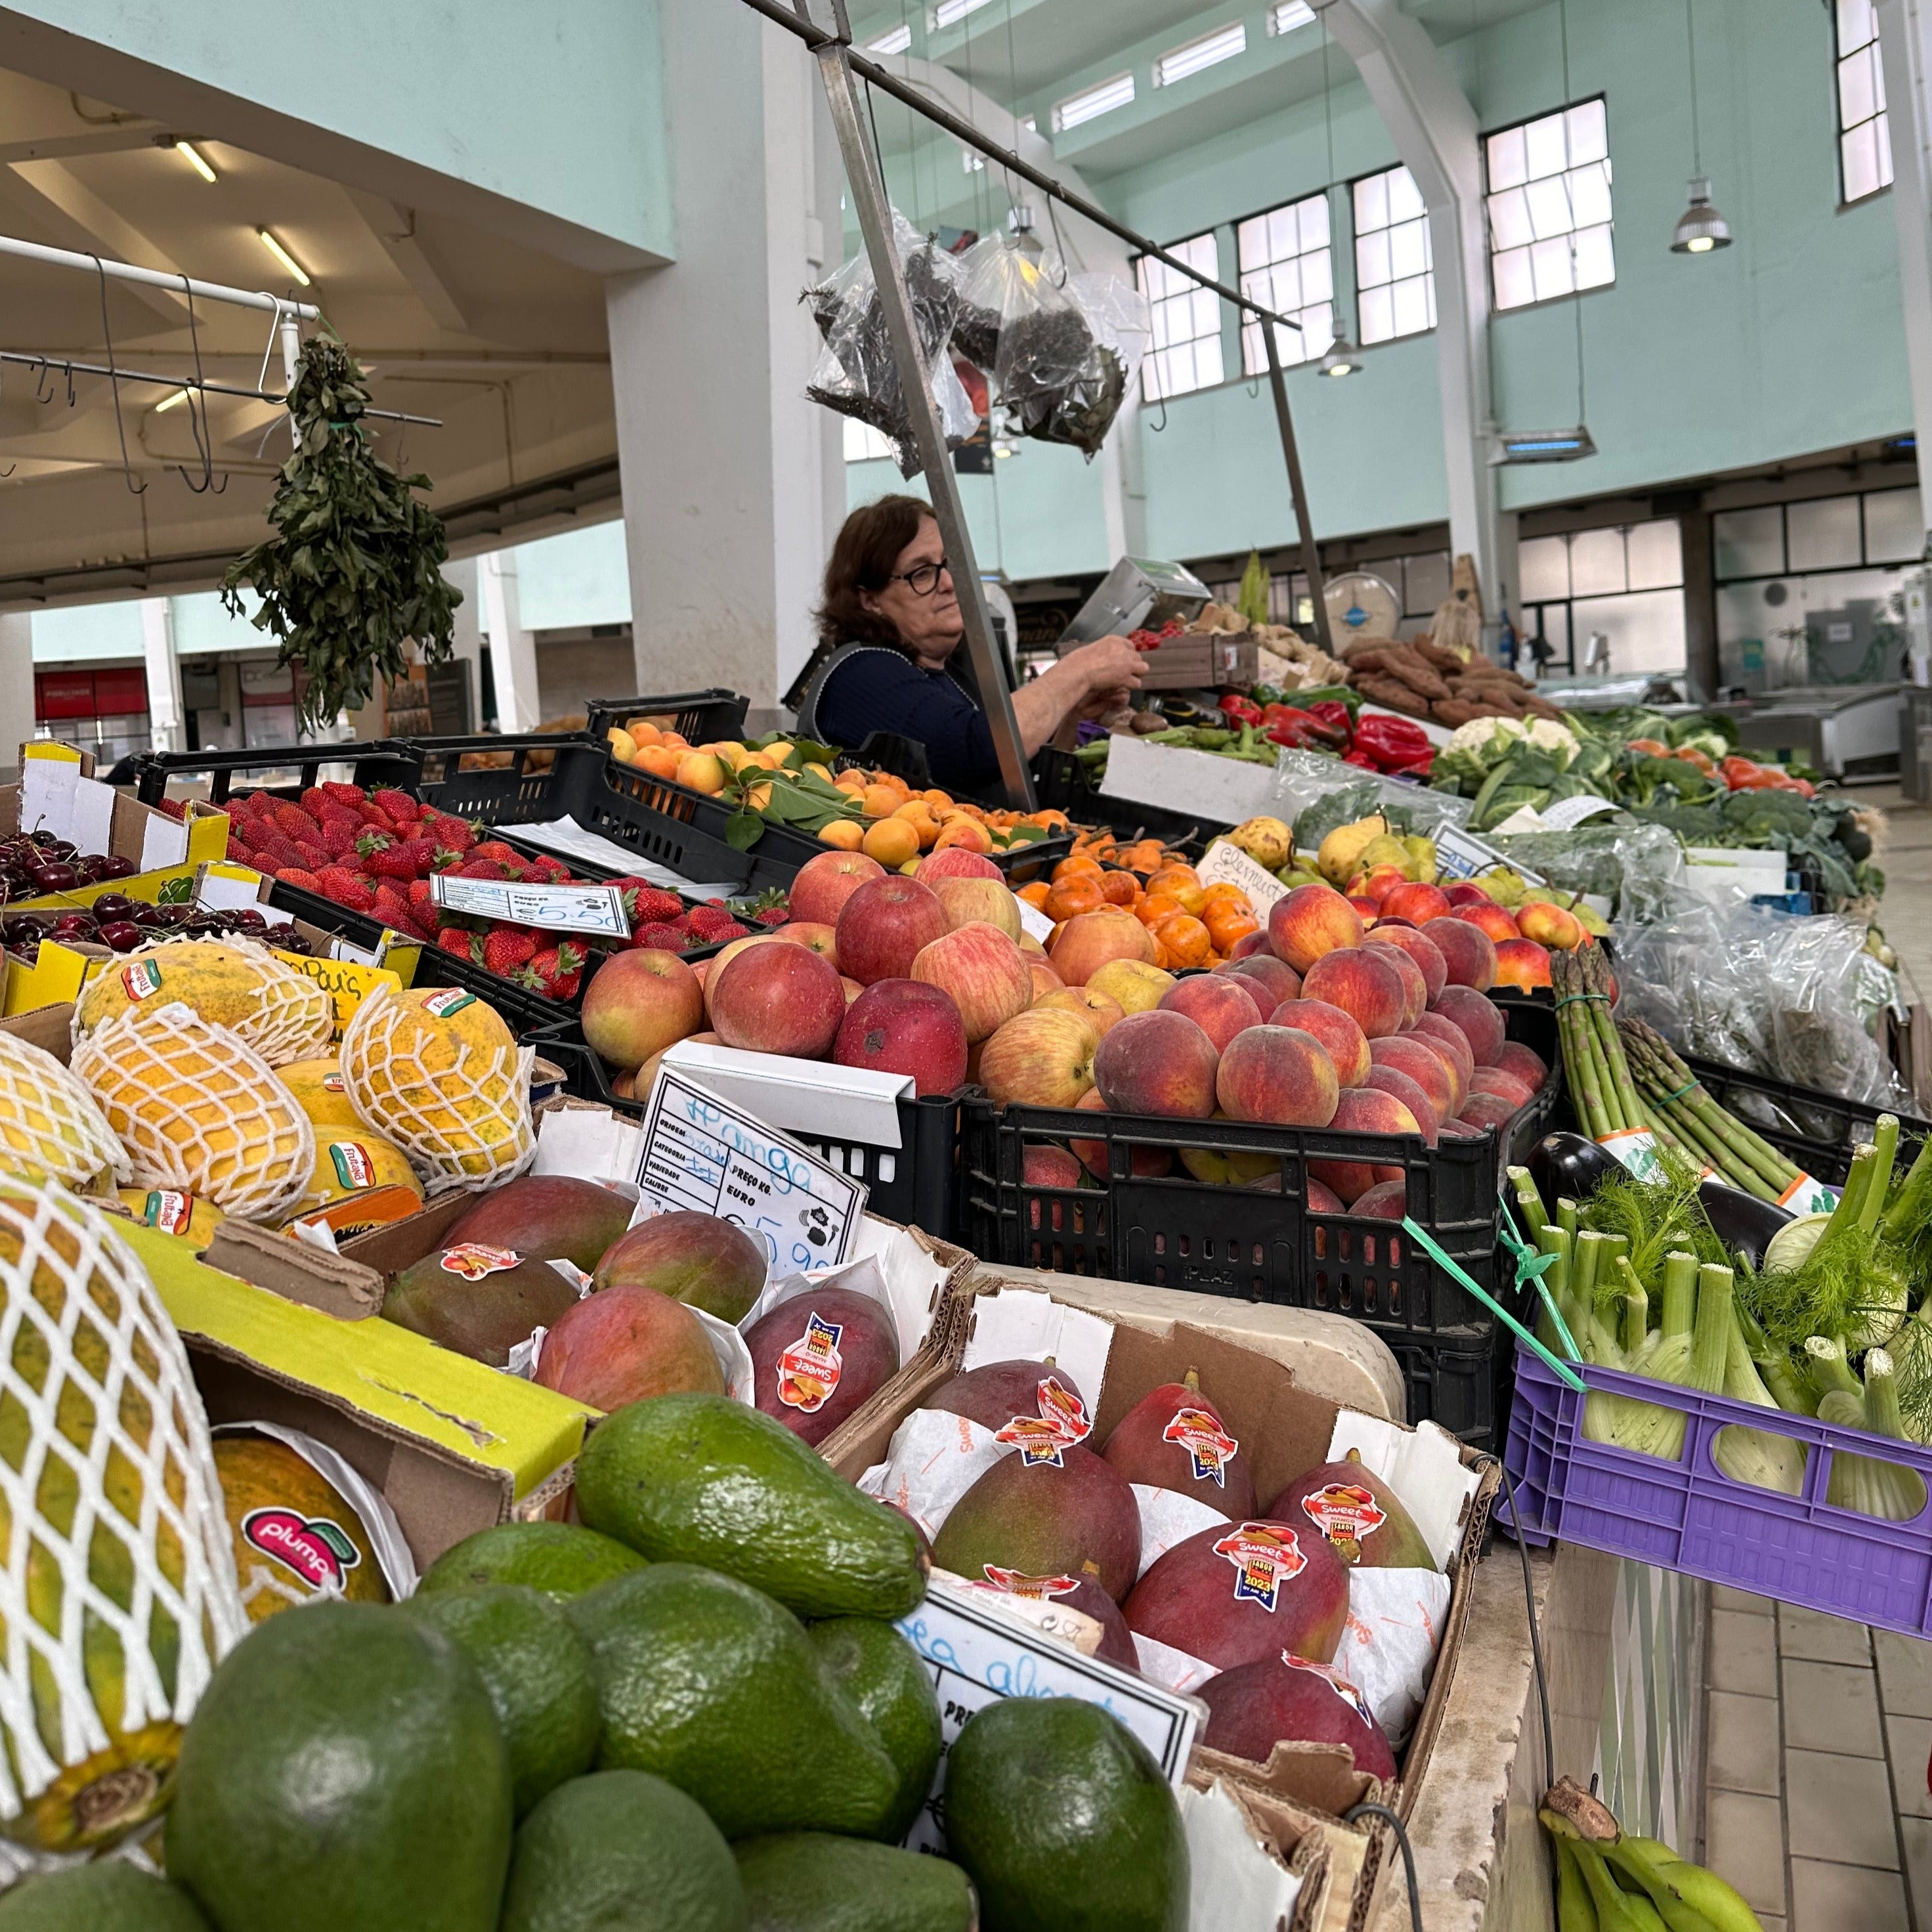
(1860, 152)
(1855, 24)
(1516, 284)
(1645, 629)
(1596, 562)
(1589, 133)
(1590, 195)
(1749, 543)
(1371, 259)
(1317, 276)
(1372, 203)
(1550, 207)
(1251, 243)
(1548, 150)
(1207, 362)
(1406, 249)
(1895, 529)
(1655, 554)
(1544, 562)
(1856, 97)
(1413, 315)
(1509, 220)
(1596, 265)
(1550, 262)
(1314, 221)
(1509, 166)
(1405, 198)
(1824, 533)
(1377, 315)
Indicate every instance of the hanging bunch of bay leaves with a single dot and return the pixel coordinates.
(350, 572)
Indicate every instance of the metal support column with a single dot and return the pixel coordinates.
(875, 223)
(1311, 553)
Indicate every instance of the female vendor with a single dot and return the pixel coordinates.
(892, 622)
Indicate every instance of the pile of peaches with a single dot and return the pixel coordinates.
(1524, 940)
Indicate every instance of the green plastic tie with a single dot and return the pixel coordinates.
(1530, 1266)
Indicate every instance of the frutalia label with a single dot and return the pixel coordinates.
(1017, 1583)
(809, 1371)
(1062, 1421)
(1209, 1445)
(452, 1000)
(1265, 1555)
(140, 978)
(1340, 1685)
(320, 1552)
(1345, 1513)
(354, 1169)
(473, 1260)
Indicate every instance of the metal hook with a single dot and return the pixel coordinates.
(197, 424)
(134, 489)
(39, 383)
(1155, 429)
(12, 467)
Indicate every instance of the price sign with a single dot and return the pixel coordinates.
(1227, 863)
(1459, 855)
(702, 1153)
(551, 908)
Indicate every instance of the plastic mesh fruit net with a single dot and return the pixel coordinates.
(197, 1109)
(49, 1121)
(283, 1014)
(105, 1471)
(460, 1107)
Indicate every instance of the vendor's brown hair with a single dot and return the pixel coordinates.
(863, 559)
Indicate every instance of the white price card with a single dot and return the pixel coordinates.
(1567, 814)
(703, 1154)
(1035, 921)
(553, 908)
(978, 1651)
(1460, 855)
(1227, 864)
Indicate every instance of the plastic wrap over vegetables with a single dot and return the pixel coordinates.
(1639, 868)
(1318, 794)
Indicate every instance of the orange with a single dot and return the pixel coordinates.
(921, 817)
(1228, 924)
(843, 833)
(1071, 897)
(892, 841)
(1118, 888)
(701, 771)
(879, 801)
(1035, 895)
(1184, 938)
(1069, 867)
(1155, 908)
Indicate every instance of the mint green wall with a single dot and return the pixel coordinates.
(555, 106)
(575, 577)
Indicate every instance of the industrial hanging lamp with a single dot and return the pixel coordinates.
(1700, 228)
(1343, 357)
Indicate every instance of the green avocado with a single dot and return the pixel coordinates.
(344, 1768)
(537, 1671)
(704, 1681)
(558, 1558)
(703, 1479)
(1061, 1817)
(806, 1882)
(621, 1851)
(112, 1896)
(882, 1673)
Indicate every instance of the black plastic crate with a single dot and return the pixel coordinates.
(1061, 780)
(916, 1182)
(386, 762)
(702, 717)
(1818, 1131)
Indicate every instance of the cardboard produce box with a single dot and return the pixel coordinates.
(57, 792)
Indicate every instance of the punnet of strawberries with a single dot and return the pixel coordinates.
(374, 853)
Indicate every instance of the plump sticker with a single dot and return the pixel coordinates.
(1209, 1446)
(1340, 1685)
(320, 1552)
(1265, 1555)
(1040, 1589)
(473, 1260)
(808, 1370)
(1062, 1422)
(1346, 1514)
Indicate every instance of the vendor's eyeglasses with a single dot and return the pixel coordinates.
(922, 580)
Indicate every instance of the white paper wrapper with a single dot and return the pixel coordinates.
(1423, 1467)
(1233, 1884)
(1388, 1645)
(1020, 1324)
(933, 1460)
(1168, 1517)
(1173, 1668)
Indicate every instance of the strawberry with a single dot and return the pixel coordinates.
(345, 888)
(447, 829)
(397, 806)
(314, 855)
(545, 871)
(505, 948)
(729, 930)
(706, 922)
(294, 875)
(277, 848)
(458, 939)
(504, 855)
(659, 938)
(392, 909)
(480, 869)
(646, 905)
(557, 972)
(422, 904)
(771, 916)
(347, 795)
(293, 820)
(373, 815)
(314, 802)
(386, 858)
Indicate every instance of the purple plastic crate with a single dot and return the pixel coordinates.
(1690, 1516)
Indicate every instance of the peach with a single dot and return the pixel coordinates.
(1221, 1007)
(1487, 1110)
(1309, 921)
(824, 884)
(1423, 1065)
(1271, 980)
(1368, 909)
(1415, 902)
(900, 1026)
(1451, 1044)
(1049, 1167)
(1467, 950)
(1103, 1012)
(1043, 1058)
(638, 1003)
(956, 861)
(1144, 1163)
(1420, 947)
(1414, 987)
(1490, 919)
(1341, 1039)
(1046, 980)
(1133, 985)
(1090, 940)
(1524, 1064)
(1251, 943)
(1478, 1016)
(1380, 881)
(1157, 1063)
(1550, 925)
(1386, 1200)
(1360, 981)
(1492, 1080)
(981, 967)
(777, 999)
(883, 925)
(1399, 1086)
(988, 900)
(1523, 964)
(961, 831)
(1278, 1074)
(1364, 1110)
(1319, 1198)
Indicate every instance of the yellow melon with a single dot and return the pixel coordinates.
(318, 1091)
(49, 1123)
(348, 1165)
(174, 1213)
(282, 1014)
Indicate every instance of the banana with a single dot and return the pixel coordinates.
(1689, 1898)
(1574, 1912)
(1617, 1910)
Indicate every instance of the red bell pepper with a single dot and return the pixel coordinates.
(1362, 758)
(1392, 742)
(1333, 713)
(1242, 710)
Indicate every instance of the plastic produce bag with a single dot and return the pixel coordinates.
(1325, 793)
(1639, 868)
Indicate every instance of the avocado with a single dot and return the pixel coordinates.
(1061, 1817)
(343, 1768)
(806, 1882)
(706, 1681)
(621, 1851)
(537, 1671)
(702, 1479)
(881, 1673)
(112, 1896)
(558, 1558)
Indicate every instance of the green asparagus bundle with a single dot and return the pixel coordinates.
(1606, 1098)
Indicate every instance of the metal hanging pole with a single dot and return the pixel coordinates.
(156, 278)
(875, 222)
(20, 359)
(1311, 554)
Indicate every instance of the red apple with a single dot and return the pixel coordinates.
(954, 862)
(638, 1003)
(778, 999)
(983, 970)
(824, 884)
(883, 925)
(900, 1026)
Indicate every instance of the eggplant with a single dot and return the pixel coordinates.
(1743, 1223)
(1564, 1164)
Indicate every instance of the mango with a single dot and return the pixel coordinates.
(1358, 1513)
(818, 1357)
(1286, 1698)
(1045, 1518)
(1173, 1438)
(547, 1217)
(713, 1265)
(622, 1344)
(997, 1393)
(479, 1300)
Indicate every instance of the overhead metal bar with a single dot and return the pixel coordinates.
(158, 278)
(1311, 551)
(68, 366)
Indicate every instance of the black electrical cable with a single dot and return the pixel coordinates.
(1349, 1816)
(1535, 1637)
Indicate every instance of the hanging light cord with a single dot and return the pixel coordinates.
(1691, 38)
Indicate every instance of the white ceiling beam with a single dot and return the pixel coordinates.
(395, 230)
(57, 198)
(69, 147)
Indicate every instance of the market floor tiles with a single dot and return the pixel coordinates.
(1817, 1806)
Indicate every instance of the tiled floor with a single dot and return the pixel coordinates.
(1817, 1806)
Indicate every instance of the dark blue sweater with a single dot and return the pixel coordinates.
(882, 690)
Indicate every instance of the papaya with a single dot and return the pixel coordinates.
(296, 1536)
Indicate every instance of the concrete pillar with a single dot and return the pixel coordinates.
(468, 639)
(513, 650)
(734, 485)
(165, 716)
(1905, 50)
(17, 690)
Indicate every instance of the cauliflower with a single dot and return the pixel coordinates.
(1558, 740)
(1486, 738)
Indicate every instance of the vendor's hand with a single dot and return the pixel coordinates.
(1108, 665)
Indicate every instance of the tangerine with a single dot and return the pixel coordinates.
(1184, 939)
(1071, 897)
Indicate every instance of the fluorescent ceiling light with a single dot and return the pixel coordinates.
(950, 12)
(196, 159)
(1210, 50)
(170, 402)
(1288, 15)
(1031, 125)
(1546, 446)
(896, 42)
(283, 255)
(1078, 109)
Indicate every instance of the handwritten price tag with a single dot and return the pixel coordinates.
(551, 908)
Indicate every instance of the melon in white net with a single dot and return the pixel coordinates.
(49, 1123)
(436, 1070)
(197, 1109)
(118, 1592)
(283, 1014)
